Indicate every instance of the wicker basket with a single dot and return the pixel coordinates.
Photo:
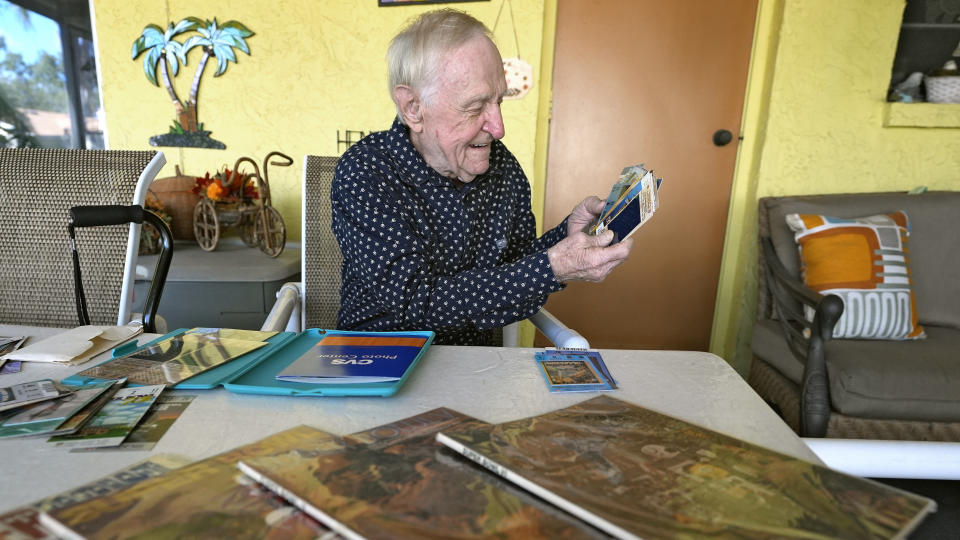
(176, 195)
(945, 89)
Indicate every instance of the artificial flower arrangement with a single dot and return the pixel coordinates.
(231, 199)
(149, 235)
(226, 186)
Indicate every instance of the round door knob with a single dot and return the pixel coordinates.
(722, 137)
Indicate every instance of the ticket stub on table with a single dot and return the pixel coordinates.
(631, 203)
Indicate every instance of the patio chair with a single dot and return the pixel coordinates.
(314, 302)
(38, 187)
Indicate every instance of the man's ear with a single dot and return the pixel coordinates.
(410, 106)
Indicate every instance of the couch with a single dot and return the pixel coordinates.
(860, 388)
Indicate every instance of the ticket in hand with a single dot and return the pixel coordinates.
(632, 201)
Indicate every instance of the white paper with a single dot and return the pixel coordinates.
(76, 345)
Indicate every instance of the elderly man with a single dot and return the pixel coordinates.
(433, 216)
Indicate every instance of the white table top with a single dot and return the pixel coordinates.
(490, 383)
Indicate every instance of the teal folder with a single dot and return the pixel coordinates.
(255, 372)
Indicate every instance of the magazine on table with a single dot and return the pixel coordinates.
(633, 472)
(196, 499)
(23, 523)
(395, 481)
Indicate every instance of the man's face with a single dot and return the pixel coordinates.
(461, 111)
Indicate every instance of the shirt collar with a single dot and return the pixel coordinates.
(413, 165)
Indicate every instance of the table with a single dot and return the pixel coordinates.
(490, 383)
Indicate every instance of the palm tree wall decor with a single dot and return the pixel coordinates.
(165, 53)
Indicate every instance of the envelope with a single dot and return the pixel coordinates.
(77, 345)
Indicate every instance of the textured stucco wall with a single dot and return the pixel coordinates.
(316, 66)
(822, 132)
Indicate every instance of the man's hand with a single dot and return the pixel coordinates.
(582, 257)
(584, 215)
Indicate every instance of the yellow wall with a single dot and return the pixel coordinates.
(813, 123)
(316, 66)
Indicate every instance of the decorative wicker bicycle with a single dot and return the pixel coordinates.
(260, 224)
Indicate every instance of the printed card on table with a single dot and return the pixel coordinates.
(570, 375)
(111, 424)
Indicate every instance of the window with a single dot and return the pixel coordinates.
(49, 95)
(929, 35)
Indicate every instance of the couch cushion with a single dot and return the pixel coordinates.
(864, 262)
(908, 380)
(934, 250)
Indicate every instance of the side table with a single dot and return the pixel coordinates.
(231, 287)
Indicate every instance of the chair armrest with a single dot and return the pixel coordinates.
(557, 332)
(796, 289)
(805, 338)
(285, 313)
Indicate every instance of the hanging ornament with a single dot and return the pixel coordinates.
(519, 76)
(517, 71)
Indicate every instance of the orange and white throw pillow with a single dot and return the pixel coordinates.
(865, 262)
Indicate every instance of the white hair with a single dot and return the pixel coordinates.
(414, 53)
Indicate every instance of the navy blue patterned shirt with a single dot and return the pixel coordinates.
(421, 252)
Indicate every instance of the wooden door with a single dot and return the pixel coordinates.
(649, 81)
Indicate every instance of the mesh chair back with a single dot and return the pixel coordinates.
(321, 256)
(37, 189)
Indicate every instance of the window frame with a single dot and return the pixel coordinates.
(74, 23)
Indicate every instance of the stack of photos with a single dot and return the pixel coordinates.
(631, 203)
(49, 417)
(111, 424)
(574, 370)
(94, 416)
